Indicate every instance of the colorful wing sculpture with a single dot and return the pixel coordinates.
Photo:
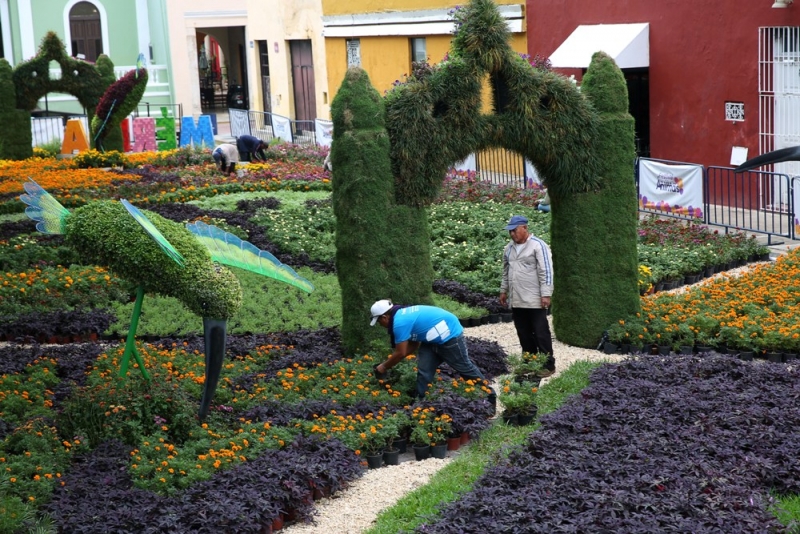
(227, 249)
(216, 298)
(43, 208)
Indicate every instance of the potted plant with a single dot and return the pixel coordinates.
(440, 428)
(683, 340)
(527, 366)
(617, 337)
(706, 341)
(519, 400)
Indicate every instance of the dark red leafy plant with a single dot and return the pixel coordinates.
(654, 444)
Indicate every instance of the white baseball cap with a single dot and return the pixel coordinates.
(379, 308)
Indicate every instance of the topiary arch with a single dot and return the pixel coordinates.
(32, 80)
(583, 153)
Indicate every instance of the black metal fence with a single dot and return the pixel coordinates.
(751, 201)
(48, 127)
(147, 109)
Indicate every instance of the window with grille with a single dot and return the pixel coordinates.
(734, 111)
(419, 51)
(779, 87)
(353, 53)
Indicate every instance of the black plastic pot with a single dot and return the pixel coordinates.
(391, 457)
(374, 461)
(422, 452)
(439, 451)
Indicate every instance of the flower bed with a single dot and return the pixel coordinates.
(757, 311)
(286, 420)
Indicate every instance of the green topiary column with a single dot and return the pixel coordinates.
(594, 233)
(362, 198)
(382, 249)
(16, 145)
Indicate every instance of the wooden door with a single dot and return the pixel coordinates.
(305, 103)
(86, 31)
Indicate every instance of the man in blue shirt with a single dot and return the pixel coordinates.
(251, 148)
(435, 333)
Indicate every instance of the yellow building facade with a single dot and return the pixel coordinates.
(384, 36)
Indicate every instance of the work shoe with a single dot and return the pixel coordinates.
(544, 373)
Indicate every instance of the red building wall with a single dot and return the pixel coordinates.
(702, 54)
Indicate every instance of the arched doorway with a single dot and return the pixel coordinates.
(86, 32)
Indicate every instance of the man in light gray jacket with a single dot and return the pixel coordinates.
(527, 287)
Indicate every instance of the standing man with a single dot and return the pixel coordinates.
(226, 157)
(251, 148)
(527, 287)
(437, 334)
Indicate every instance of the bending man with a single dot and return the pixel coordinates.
(435, 333)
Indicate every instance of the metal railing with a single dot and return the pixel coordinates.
(501, 166)
(266, 126)
(50, 127)
(147, 109)
(749, 201)
(752, 201)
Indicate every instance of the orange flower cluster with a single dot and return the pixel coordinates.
(757, 310)
(57, 176)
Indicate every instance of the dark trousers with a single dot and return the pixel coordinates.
(534, 332)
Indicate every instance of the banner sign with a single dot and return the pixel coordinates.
(282, 127)
(324, 132)
(673, 189)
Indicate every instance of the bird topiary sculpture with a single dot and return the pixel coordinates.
(162, 256)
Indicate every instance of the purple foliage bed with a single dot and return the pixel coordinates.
(654, 444)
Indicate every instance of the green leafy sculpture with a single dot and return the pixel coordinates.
(15, 137)
(593, 233)
(434, 120)
(120, 99)
(382, 248)
(32, 81)
(162, 256)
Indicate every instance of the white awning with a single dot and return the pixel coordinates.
(628, 44)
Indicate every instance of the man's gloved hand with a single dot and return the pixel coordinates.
(378, 374)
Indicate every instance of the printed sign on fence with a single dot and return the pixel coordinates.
(674, 189)
(282, 127)
(324, 132)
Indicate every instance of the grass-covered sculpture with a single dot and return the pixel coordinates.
(120, 100)
(593, 233)
(162, 256)
(32, 81)
(436, 119)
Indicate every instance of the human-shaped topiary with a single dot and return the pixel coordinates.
(593, 233)
(15, 139)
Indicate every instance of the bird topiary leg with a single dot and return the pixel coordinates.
(130, 343)
(216, 337)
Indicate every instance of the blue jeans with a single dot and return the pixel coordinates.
(452, 351)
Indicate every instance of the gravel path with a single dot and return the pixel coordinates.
(354, 509)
